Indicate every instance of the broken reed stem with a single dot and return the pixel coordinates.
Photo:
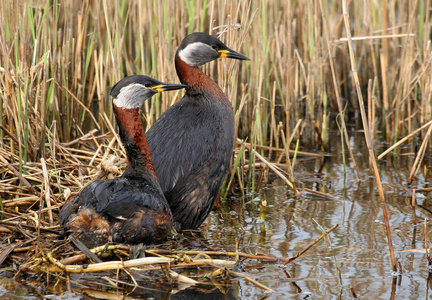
(428, 251)
(367, 132)
(247, 278)
(24, 216)
(310, 245)
(66, 264)
(82, 105)
(271, 167)
(215, 253)
(85, 137)
(59, 266)
(288, 161)
(18, 174)
(337, 92)
(276, 149)
(100, 249)
(176, 276)
(413, 204)
(318, 193)
(47, 191)
(404, 139)
(371, 37)
(84, 249)
(110, 265)
(420, 155)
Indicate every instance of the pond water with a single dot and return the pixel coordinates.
(353, 262)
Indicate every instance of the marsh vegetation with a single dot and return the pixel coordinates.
(330, 86)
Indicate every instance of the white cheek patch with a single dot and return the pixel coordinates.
(190, 54)
(132, 96)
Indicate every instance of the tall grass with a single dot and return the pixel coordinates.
(59, 58)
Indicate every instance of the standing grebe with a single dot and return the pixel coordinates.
(192, 142)
(130, 208)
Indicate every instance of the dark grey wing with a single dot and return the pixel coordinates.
(192, 198)
(133, 195)
(116, 198)
(191, 152)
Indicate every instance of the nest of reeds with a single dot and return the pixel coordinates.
(33, 243)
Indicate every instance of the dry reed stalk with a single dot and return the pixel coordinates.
(35, 228)
(214, 253)
(272, 119)
(101, 294)
(60, 266)
(413, 204)
(84, 138)
(82, 105)
(310, 245)
(18, 174)
(317, 193)
(372, 37)
(370, 112)
(98, 250)
(427, 249)
(384, 59)
(367, 133)
(277, 149)
(177, 276)
(110, 265)
(336, 90)
(399, 110)
(420, 155)
(288, 165)
(417, 250)
(47, 192)
(247, 278)
(272, 167)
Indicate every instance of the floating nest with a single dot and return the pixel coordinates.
(32, 243)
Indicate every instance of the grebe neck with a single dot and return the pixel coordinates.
(196, 79)
(133, 137)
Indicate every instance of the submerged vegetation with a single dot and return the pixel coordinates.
(58, 60)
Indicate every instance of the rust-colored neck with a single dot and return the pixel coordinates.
(133, 137)
(196, 79)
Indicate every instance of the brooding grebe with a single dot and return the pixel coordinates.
(130, 208)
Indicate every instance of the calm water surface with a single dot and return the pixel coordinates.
(354, 261)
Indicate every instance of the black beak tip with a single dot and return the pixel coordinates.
(237, 55)
(173, 86)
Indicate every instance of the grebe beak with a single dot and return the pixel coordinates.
(168, 87)
(228, 53)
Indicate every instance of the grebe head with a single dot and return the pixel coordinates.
(132, 91)
(199, 48)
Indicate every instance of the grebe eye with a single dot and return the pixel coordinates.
(215, 47)
(147, 85)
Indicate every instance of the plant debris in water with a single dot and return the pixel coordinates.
(33, 243)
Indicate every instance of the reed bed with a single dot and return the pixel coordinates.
(58, 60)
